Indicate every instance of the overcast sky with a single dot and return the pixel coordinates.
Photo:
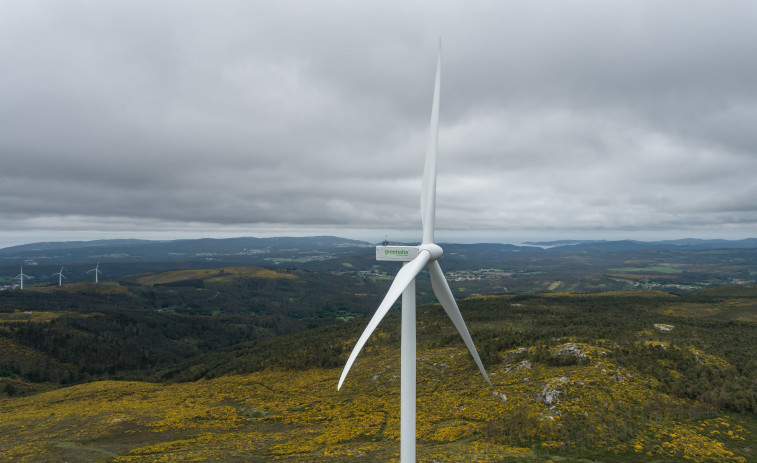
(559, 119)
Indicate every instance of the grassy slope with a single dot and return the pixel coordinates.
(606, 409)
(299, 416)
(217, 274)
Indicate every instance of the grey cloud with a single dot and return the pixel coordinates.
(590, 116)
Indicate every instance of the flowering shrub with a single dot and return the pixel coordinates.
(300, 415)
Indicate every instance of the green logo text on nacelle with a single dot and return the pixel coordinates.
(397, 253)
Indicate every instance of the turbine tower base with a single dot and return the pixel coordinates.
(407, 376)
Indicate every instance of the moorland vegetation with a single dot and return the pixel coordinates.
(240, 363)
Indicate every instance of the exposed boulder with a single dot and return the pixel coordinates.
(665, 328)
(570, 349)
(550, 395)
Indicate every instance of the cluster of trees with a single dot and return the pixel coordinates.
(711, 360)
(138, 330)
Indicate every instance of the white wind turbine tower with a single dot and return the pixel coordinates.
(21, 276)
(96, 270)
(415, 258)
(60, 277)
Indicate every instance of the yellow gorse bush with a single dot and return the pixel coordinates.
(300, 415)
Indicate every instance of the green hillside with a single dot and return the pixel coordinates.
(608, 377)
(134, 328)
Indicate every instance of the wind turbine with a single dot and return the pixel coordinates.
(96, 270)
(60, 277)
(21, 276)
(414, 258)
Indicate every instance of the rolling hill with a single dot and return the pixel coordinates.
(633, 376)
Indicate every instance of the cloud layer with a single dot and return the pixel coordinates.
(629, 117)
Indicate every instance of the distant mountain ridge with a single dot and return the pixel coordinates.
(159, 249)
(680, 244)
(162, 248)
(53, 245)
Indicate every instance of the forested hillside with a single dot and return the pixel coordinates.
(83, 331)
(625, 376)
(708, 354)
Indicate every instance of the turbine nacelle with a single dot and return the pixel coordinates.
(408, 253)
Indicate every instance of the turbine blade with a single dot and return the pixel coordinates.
(444, 294)
(403, 278)
(428, 188)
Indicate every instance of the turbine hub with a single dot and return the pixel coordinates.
(433, 249)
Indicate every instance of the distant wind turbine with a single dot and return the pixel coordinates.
(415, 258)
(21, 276)
(96, 270)
(60, 277)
